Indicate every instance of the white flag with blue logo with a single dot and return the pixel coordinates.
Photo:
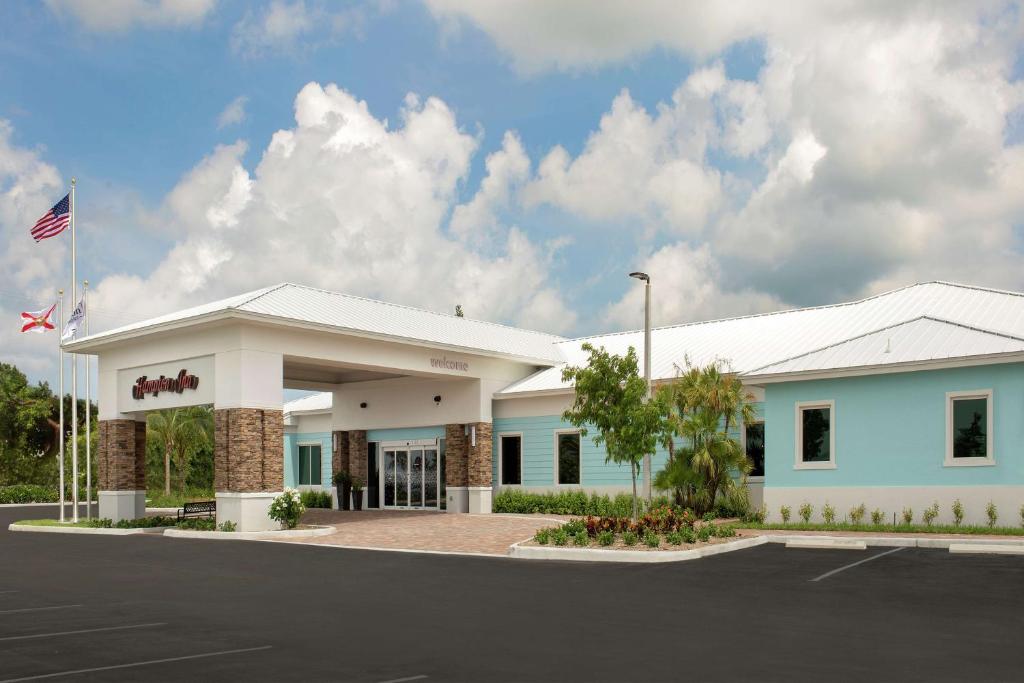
(74, 323)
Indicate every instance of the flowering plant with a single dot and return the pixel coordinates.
(287, 508)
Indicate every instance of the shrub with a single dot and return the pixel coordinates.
(1022, 515)
(560, 536)
(755, 516)
(317, 499)
(227, 525)
(197, 524)
(724, 530)
(578, 503)
(704, 532)
(28, 493)
(575, 526)
(708, 517)
(857, 514)
(99, 523)
(651, 539)
(629, 538)
(287, 508)
(674, 537)
(958, 512)
(828, 513)
(581, 538)
(805, 511)
(908, 515)
(786, 511)
(606, 538)
(930, 513)
(689, 535)
(144, 522)
(877, 517)
(991, 513)
(543, 536)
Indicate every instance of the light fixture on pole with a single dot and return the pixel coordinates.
(646, 279)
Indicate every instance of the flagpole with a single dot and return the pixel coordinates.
(60, 356)
(74, 373)
(88, 409)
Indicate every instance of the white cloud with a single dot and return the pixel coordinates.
(507, 169)
(346, 202)
(121, 15)
(291, 27)
(234, 113)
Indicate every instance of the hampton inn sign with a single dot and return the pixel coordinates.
(179, 384)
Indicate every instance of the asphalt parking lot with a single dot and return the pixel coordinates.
(96, 608)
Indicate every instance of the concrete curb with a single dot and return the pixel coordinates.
(533, 552)
(86, 530)
(897, 541)
(250, 535)
(987, 549)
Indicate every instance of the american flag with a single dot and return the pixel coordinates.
(53, 221)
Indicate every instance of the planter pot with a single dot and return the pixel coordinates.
(343, 494)
(357, 500)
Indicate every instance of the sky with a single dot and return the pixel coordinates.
(518, 158)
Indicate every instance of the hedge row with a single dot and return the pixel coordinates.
(563, 503)
(28, 493)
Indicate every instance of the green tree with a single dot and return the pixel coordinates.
(28, 438)
(611, 398)
(703, 406)
(180, 433)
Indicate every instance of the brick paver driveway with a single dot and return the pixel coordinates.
(422, 530)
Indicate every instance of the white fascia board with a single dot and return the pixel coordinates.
(888, 368)
(100, 340)
(539, 392)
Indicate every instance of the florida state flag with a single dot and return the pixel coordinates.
(37, 321)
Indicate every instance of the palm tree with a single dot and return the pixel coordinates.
(704, 404)
(181, 432)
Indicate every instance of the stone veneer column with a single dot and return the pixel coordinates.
(456, 468)
(248, 468)
(339, 461)
(121, 465)
(479, 467)
(357, 455)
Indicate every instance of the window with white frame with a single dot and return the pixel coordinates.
(969, 428)
(309, 464)
(510, 456)
(815, 435)
(567, 457)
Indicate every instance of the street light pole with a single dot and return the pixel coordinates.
(647, 367)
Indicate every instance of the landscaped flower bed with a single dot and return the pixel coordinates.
(664, 528)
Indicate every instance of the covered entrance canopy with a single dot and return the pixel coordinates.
(387, 366)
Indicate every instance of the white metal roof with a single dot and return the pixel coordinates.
(757, 341)
(916, 341)
(343, 312)
(320, 401)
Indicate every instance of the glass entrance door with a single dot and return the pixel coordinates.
(409, 477)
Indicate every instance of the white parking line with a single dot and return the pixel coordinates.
(854, 564)
(133, 664)
(403, 680)
(35, 609)
(85, 630)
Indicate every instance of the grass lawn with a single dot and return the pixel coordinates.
(53, 522)
(890, 528)
(157, 499)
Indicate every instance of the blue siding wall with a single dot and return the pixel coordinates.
(291, 456)
(890, 430)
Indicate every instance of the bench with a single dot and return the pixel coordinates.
(203, 508)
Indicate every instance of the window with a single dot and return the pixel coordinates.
(510, 449)
(567, 450)
(309, 464)
(754, 443)
(969, 428)
(815, 435)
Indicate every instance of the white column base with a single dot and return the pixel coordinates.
(248, 511)
(458, 499)
(480, 500)
(118, 505)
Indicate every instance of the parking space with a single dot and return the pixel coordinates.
(179, 609)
